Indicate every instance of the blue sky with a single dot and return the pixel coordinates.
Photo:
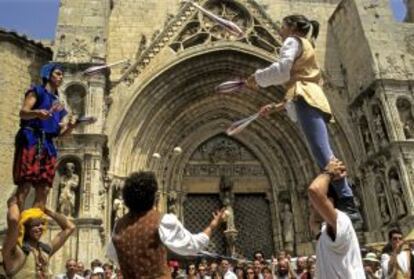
(37, 18)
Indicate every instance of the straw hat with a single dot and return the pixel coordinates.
(371, 257)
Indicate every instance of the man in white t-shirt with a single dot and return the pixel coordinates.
(398, 263)
(227, 273)
(338, 254)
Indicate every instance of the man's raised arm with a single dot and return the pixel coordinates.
(318, 191)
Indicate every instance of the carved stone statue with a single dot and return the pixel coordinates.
(172, 200)
(230, 226)
(287, 225)
(409, 128)
(380, 128)
(118, 207)
(227, 198)
(382, 203)
(68, 185)
(406, 117)
(366, 135)
(397, 193)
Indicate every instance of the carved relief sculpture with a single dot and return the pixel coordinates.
(68, 185)
(397, 193)
(79, 51)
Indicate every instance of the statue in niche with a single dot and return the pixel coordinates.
(406, 118)
(230, 226)
(379, 124)
(118, 207)
(287, 225)
(397, 193)
(366, 135)
(408, 127)
(382, 202)
(227, 198)
(68, 185)
(172, 201)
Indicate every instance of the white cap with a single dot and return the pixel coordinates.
(97, 270)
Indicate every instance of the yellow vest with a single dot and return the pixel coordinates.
(305, 80)
(28, 268)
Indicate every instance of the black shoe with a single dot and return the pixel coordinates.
(347, 205)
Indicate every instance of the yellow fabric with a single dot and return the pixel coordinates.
(305, 80)
(28, 267)
(32, 213)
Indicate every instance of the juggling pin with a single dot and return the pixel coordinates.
(239, 126)
(227, 24)
(96, 69)
(230, 86)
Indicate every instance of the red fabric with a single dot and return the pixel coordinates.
(28, 167)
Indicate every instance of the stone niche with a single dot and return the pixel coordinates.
(65, 195)
(406, 117)
(75, 96)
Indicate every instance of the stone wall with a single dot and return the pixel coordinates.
(20, 61)
(130, 20)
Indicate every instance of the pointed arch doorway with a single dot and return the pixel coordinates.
(222, 156)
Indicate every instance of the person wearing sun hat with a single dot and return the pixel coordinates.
(42, 119)
(24, 255)
(371, 266)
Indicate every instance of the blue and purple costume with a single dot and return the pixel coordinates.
(35, 153)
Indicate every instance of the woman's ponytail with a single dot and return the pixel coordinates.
(315, 29)
(303, 25)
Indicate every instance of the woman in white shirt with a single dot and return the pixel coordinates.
(297, 70)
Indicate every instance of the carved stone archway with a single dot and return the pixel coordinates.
(179, 107)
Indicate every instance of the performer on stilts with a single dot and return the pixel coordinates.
(42, 116)
(300, 74)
